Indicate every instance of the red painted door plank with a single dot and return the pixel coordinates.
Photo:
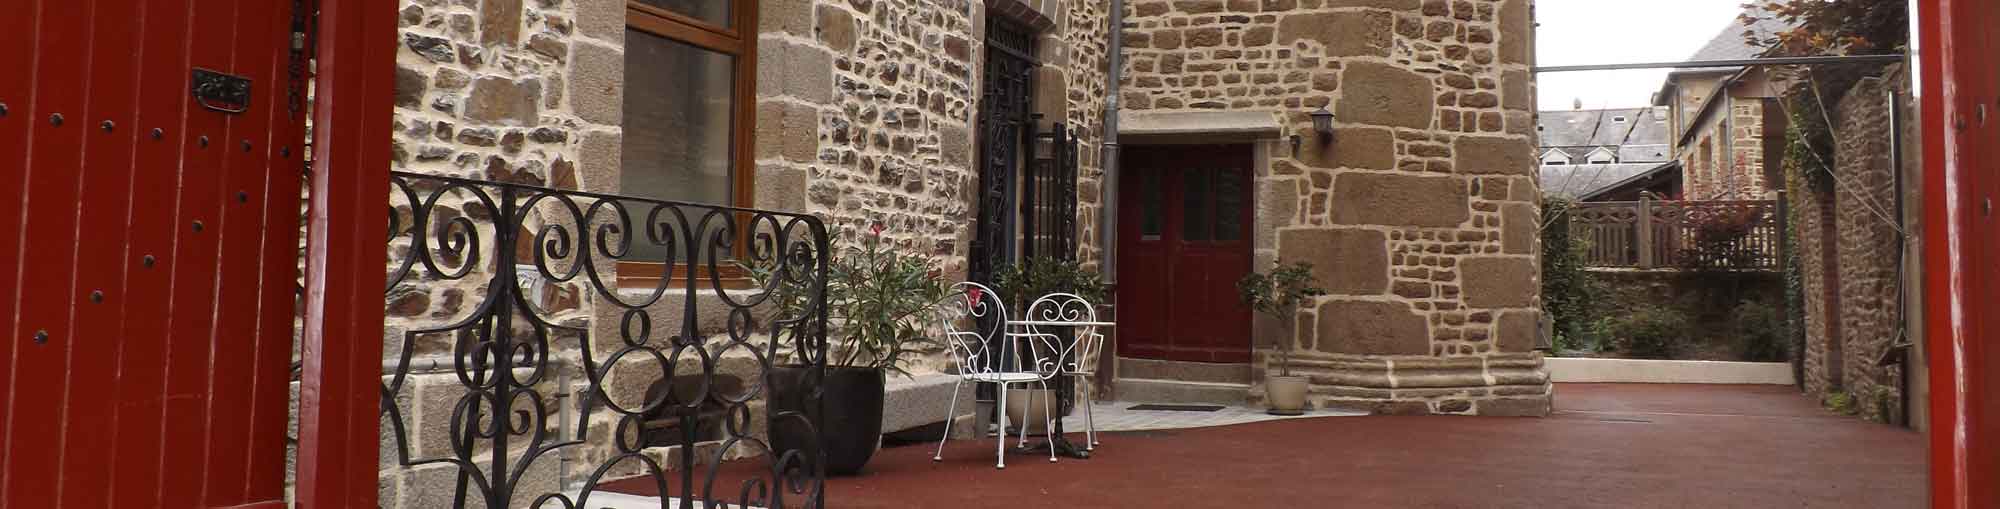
(235, 339)
(196, 256)
(17, 33)
(342, 347)
(100, 242)
(157, 166)
(274, 302)
(34, 412)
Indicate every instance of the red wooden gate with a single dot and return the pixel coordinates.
(1184, 240)
(146, 292)
(1961, 122)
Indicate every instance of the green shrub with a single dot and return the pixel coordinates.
(1760, 332)
(1571, 296)
(1651, 333)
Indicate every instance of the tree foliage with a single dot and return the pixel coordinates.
(1829, 27)
(1279, 295)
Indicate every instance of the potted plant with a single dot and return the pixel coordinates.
(1022, 283)
(877, 299)
(1279, 295)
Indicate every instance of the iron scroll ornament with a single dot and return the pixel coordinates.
(509, 350)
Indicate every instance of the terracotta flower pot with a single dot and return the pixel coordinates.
(1285, 395)
(1033, 417)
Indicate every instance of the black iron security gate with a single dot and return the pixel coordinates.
(1048, 207)
(528, 381)
(1004, 121)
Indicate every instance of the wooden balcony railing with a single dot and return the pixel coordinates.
(1656, 234)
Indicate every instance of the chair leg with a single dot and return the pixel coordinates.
(1021, 429)
(1049, 425)
(1089, 422)
(1000, 416)
(949, 415)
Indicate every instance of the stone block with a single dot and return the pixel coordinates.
(793, 17)
(780, 188)
(1493, 155)
(1344, 33)
(605, 19)
(601, 156)
(788, 68)
(1516, 31)
(1385, 95)
(1517, 331)
(410, 86)
(1346, 261)
(836, 28)
(1515, 94)
(1520, 228)
(1499, 282)
(1399, 5)
(1399, 200)
(499, 22)
(1372, 328)
(1277, 206)
(505, 101)
(597, 75)
(1359, 148)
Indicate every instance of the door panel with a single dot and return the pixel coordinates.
(148, 310)
(1184, 241)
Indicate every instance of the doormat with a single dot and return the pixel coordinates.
(1177, 408)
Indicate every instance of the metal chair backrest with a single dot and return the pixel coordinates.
(974, 322)
(1079, 347)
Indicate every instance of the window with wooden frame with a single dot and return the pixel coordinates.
(689, 106)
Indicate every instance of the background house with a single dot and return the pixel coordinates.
(1607, 154)
(1724, 126)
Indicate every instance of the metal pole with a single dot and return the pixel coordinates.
(1745, 62)
(1107, 212)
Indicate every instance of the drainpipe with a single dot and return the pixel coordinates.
(1107, 192)
(1107, 231)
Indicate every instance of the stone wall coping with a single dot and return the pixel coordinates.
(1585, 370)
(1155, 127)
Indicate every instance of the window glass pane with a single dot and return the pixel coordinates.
(1195, 215)
(677, 120)
(1152, 211)
(678, 103)
(1229, 184)
(711, 11)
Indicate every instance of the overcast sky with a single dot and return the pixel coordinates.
(1576, 32)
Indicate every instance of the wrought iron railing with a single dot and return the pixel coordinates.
(1726, 235)
(514, 353)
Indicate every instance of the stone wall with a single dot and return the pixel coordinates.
(865, 114)
(1420, 217)
(1867, 254)
(505, 91)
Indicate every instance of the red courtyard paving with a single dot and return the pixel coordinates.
(1608, 445)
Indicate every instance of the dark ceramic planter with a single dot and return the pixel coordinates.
(851, 429)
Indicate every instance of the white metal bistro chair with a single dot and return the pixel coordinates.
(1075, 356)
(976, 330)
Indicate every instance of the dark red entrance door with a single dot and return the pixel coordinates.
(149, 178)
(1184, 240)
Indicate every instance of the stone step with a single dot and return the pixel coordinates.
(1150, 369)
(1143, 390)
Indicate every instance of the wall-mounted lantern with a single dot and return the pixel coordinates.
(1322, 126)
